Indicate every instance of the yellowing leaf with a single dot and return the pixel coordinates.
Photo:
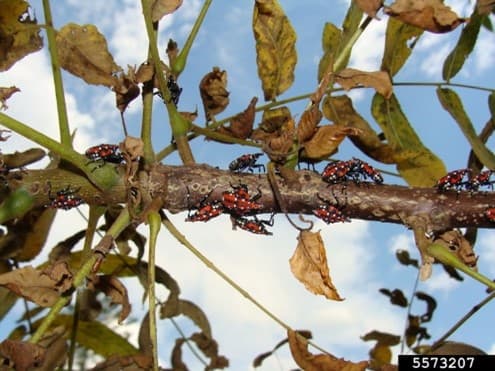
(275, 47)
(309, 265)
(416, 163)
(18, 34)
(82, 50)
(159, 8)
(429, 15)
(399, 40)
(379, 80)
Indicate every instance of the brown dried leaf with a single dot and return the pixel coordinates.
(160, 8)
(258, 361)
(382, 337)
(209, 347)
(320, 362)
(279, 147)
(126, 90)
(414, 331)
(125, 363)
(485, 7)
(431, 305)
(379, 80)
(144, 73)
(429, 15)
(214, 94)
(404, 258)
(306, 126)
(380, 355)
(396, 297)
(241, 126)
(22, 355)
(326, 141)
(309, 265)
(34, 285)
(56, 349)
(172, 51)
(370, 7)
(455, 242)
(114, 289)
(18, 34)
(82, 50)
(6, 93)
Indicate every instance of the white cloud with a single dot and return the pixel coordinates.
(432, 64)
(486, 250)
(368, 50)
(484, 53)
(402, 241)
(440, 281)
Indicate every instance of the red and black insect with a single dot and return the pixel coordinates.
(330, 213)
(205, 210)
(174, 89)
(106, 153)
(456, 180)
(480, 180)
(240, 202)
(361, 169)
(253, 225)
(247, 162)
(336, 172)
(65, 199)
(490, 214)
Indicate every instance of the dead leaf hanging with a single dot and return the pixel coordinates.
(6, 93)
(160, 8)
(276, 55)
(213, 91)
(241, 126)
(309, 265)
(326, 141)
(115, 290)
(370, 7)
(83, 51)
(379, 80)
(429, 15)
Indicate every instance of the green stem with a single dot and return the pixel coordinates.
(63, 120)
(154, 220)
(146, 123)
(117, 227)
(180, 61)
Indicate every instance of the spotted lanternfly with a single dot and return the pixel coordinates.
(240, 202)
(329, 213)
(205, 210)
(362, 169)
(106, 153)
(480, 180)
(65, 199)
(253, 225)
(246, 162)
(454, 180)
(174, 90)
(336, 172)
(490, 214)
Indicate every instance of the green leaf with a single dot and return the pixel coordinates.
(397, 50)
(455, 60)
(452, 104)
(416, 163)
(276, 55)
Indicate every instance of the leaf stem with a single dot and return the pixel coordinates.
(154, 220)
(63, 121)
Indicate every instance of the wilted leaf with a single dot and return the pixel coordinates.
(18, 34)
(396, 297)
(6, 93)
(241, 126)
(83, 51)
(416, 163)
(378, 80)
(456, 348)
(213, 90)
(382, 337)
(320, 362)
(370, 7)
(114, 289)
(56, 349)
(309, 265)
(7, 297)
(22, 355)
(275, 47)
(326, 141)
(159, 8)
(209, 348)
(431, 305)
(485, 7)
(452, 104)
(144, 73)
(126, 90)
(189, 309)
(261, 357)
(306, 126)
(380, 355)
(457, 244)
(398, 45)
(125, 363)
(430, 15)
(414, 331)
(404, 258)
(34, 285)
(465, 45)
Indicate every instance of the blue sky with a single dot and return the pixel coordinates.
(360, 254)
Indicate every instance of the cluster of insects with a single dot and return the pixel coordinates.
(464, 180)
(354, 170)
(239, 203)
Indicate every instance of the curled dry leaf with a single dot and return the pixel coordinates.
(276, 55)
(370, 7)
(396, 297)
(144, 73)
(320, 362)
(18, 34)
(309, 265)
(456, 243)
(83, 51)
(241, 126)
(485, 7)
(326, 141)
(172, 51)
(414, 331)
(126, 90)
(277, 148)
(36, 285)
(114, 289)
(160, 8)
(6, 93)
(125, 363)
(306, 126)
(379, 80)
(213, 91)
(21, 355)
(429, 15)
(209, 347)
(431, 305)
